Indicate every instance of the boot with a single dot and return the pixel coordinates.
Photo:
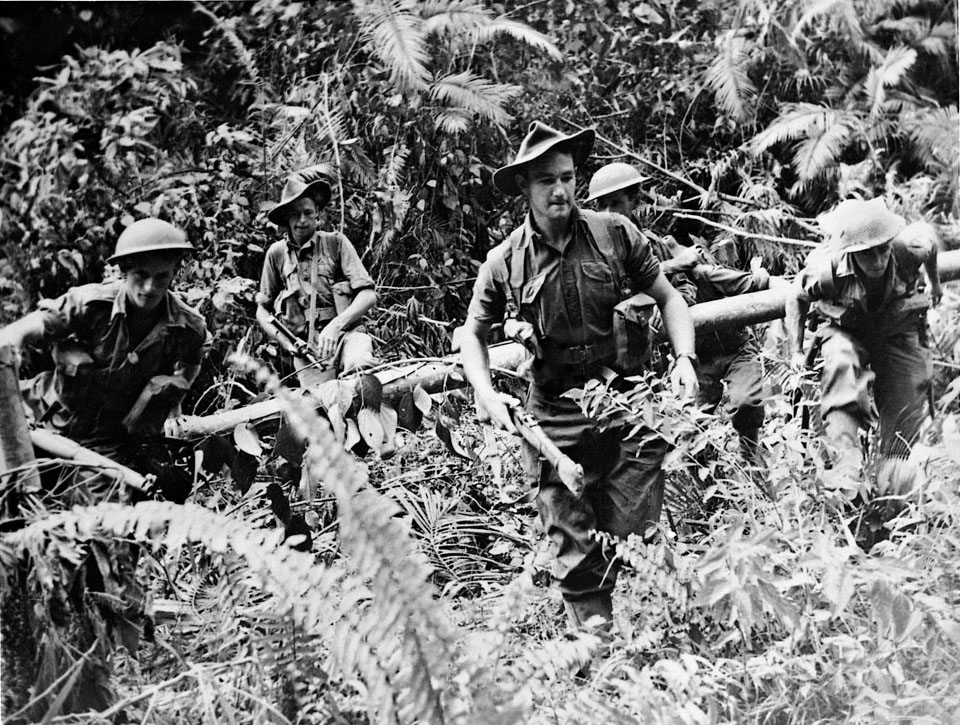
(592, 614)
(842, 431)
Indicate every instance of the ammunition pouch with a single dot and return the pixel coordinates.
(77, 372)
(631, 333)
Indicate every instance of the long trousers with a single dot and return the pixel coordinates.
(742, 372)
(875, 377)
(623, 493)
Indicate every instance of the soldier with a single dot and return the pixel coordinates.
(561, 274)
(730, 358)
(315, 284)
(866, 291)
(126, 351)
(616, 188)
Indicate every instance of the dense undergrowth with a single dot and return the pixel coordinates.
(427, 597)
(424, 594)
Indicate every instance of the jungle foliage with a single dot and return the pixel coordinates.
(424, 596)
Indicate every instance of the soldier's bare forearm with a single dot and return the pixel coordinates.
(26, 330)
(475, 358)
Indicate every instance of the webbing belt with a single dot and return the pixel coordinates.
(581, 354)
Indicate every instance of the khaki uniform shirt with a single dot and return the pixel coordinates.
(896, 308)
(99, 374)
(286, 281)
(569, 290)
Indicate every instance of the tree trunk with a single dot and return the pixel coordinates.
(18, 474)
(748, 309)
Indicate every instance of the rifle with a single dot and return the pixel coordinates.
(301, 346)
(571, 474)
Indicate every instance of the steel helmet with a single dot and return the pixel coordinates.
(613, 177)
(855, 225)
(150, 235)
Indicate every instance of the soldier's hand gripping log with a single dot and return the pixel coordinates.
(571, 473)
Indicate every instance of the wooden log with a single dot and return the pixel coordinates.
(16, 453)
(748, 309)
(757, 307)
(60, 446)
(433, 377)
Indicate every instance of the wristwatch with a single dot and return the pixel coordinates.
(692, 355)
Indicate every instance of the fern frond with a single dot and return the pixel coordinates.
(518, 31)
(296, 584)
(316, 172)
(243, 54)
(286, 112)
(799, 120)
(474, 94)
(394, 173)
(820, 152)
(379, 549)
(395, 34)
(727, 78)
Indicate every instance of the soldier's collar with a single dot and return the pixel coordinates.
(170, 312)
(295, 251)
(845, 265)
(530, 231)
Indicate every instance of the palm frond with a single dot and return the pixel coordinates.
(933, 135)
(394, 33)
(897, 62)
(461, 17)
(518, 31)
(909, 29)
(452, 122)
(471, 93)
(817, 153)
(798, 120)
(815, 10)
(728, 79)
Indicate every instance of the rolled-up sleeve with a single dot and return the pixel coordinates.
(727, 282)
(489, 301)
(807, 283)
(60, 314)
(270, 278)
(352, 268)
(640, 263)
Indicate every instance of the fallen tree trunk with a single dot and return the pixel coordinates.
(60, 446)
(757, 307)
(16, 453)
(434, 377)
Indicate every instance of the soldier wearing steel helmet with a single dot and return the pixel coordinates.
(728, 361)
(865, 287)
(115, 340)
(562, 274)
(616, 188)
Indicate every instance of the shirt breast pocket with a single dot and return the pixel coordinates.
(534, 308)
(599, 292)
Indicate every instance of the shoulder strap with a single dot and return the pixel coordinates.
(517, 273)
(602, 230)
(826, 271)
